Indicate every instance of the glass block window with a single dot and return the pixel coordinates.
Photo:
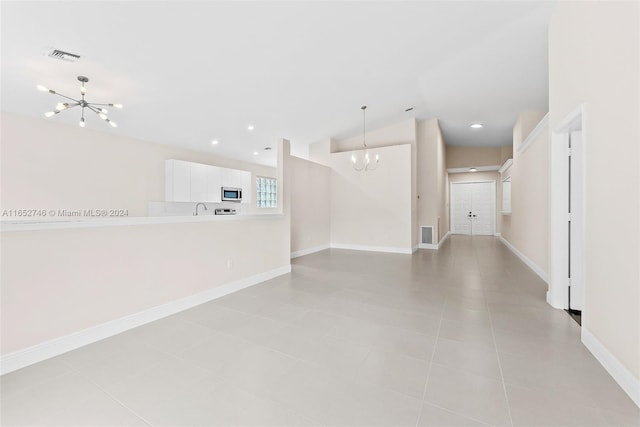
(267, 192)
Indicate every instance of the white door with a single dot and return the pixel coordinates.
(461, 210)
(473, 208)
(575, 250)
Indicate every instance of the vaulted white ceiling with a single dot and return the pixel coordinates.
(191, 72)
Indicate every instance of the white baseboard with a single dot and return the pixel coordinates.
(435, 246)
(497, 234)
(627, 381)
(373, 248)
(308, 251)
(532, 265)
(39, 352)
(428, 246)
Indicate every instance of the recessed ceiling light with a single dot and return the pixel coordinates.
(250, 127)
(476, 125)
(214, 142)
(473, 170)
(255, 153)
(267, 148)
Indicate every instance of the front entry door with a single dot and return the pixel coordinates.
(473, 208)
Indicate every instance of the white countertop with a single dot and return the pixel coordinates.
(31, 225)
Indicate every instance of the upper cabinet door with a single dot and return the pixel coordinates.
(214, 184)
(198, 182)
(178, 181)
(231, 178)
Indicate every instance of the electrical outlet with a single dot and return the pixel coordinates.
(229, 264)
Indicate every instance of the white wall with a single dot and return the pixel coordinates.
(594, 57)
(59, 282)
(431, 178)
(373, 209)
(310, 205)
(401, 133)
(527, 228)
(465, 157)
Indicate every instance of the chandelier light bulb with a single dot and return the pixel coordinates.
(102, 116)
(104, 110)
(361, 160)
(42, 88)
(116, 105)
(50, 113)
(83, 90)
(60, 106)
(113, 124)
(82, 122)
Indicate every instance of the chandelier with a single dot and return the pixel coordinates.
(96, 108)
(362, 161)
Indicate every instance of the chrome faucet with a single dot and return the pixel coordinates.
(197, 205)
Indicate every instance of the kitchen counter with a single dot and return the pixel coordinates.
(32, 225)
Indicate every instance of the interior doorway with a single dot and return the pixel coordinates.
(567, 284)
(473, 208)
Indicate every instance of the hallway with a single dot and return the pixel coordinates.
(459, 336)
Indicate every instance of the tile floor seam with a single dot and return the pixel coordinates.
(433, 353)
(115, 399)
(495, 344)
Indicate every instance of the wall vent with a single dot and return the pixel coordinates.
(64, 56)
(426, 233)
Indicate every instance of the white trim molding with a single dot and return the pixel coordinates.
(533, 135)
(532, 265)
(506, 165)
(48, 349)
(492, 168)
(388, 249)
(435, 246)
(307, 251)
(625, 379)
(558, 293)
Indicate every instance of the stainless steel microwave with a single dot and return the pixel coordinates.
(231, 194)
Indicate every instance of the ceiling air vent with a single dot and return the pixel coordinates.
(65, 56)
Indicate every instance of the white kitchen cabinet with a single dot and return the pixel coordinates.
(231, 178)
(177, 181)
(214, 184)
(198, 184)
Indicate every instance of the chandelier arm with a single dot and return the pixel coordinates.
(95, 103)
(89, 106)
(71, 106)
(68, 97)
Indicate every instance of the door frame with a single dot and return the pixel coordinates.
(493, 203)
(558, 293)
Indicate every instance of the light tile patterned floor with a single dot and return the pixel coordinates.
(458, 337)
